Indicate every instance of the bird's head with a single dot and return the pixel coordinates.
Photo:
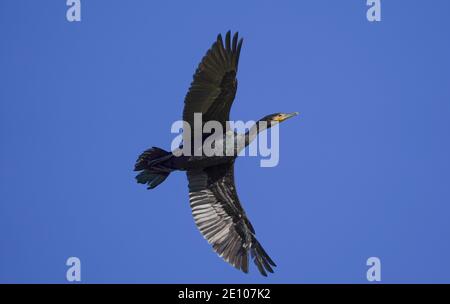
(276, 118)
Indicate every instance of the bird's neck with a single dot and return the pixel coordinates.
(257, 128)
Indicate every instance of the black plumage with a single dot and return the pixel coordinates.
(221, 219)
(215, 204)
(214, 85)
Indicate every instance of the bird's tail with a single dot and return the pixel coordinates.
(153, 166)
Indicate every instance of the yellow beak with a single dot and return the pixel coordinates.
(283, 117)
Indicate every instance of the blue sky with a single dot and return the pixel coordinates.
(364, 171)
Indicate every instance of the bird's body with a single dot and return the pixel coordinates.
(215, 205)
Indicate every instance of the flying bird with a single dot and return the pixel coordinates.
(215, 204)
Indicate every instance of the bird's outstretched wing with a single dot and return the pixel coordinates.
(221, 219)
(214, 85)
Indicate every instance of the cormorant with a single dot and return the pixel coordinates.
(215, 205)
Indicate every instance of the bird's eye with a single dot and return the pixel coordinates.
(278, 117)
